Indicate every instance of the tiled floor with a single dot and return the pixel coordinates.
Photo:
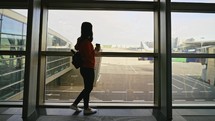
(194, 115)
(56, 114)
(101, 115)
(10, 114)
(97, 118)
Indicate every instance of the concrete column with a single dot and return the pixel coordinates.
(31, 61)
(163, 88)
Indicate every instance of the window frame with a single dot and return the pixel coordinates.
(114, 5)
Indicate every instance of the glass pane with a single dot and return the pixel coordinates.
(13, 42)
(13, 30)
(193, 32)
(195, 1)
(56, 64)
(128, 31)
(11, 26)
(193, 80)
(56, 42)
(118, 79)
(11, 77)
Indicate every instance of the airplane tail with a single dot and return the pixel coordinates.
(144, 46)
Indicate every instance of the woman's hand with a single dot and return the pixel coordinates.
(98, 47)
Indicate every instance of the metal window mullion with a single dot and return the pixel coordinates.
(189, 55)
(42, 59)
(119, 54)
(103, 54)
(13, 46)
(157, 69)
(193, 7)
(101, 5)
(13, 53)
(12, 34)
(0, 27)
(17, 4)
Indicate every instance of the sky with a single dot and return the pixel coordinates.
(129, 27)
(109, 27)
(193, 25)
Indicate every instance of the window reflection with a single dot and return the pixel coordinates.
(12, 42)
(56, 64)
(57, 42)
(11, 77)
(11, 26)
(12, 32)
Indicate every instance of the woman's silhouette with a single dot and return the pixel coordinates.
(87, 51)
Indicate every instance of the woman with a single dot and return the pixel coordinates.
(85, 47)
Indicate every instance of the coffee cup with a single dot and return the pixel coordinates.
(98, 47)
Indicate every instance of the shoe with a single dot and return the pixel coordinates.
(89, 111)
(76, 108)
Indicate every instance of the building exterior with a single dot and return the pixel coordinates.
(13, 38)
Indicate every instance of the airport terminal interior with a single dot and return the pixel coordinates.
(156, 63)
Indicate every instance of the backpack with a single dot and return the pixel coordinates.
(77, 60)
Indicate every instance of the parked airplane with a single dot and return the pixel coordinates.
(145, 47)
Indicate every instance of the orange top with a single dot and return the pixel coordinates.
(87, 52)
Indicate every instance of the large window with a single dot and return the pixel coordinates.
(193, 78)
(118, 79)
(12, 38)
